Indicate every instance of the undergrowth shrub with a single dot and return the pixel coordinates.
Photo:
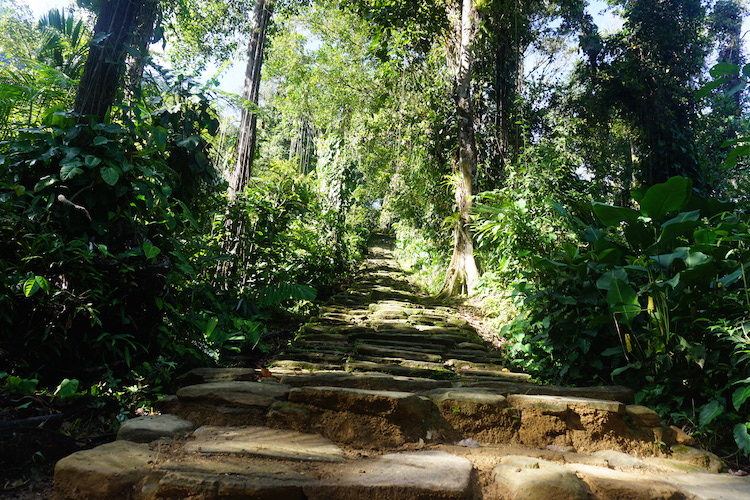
(653, 298)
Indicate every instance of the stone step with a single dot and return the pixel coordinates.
(259, 462)
(388, 395)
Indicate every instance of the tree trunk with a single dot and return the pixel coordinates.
(462, 271)
(143, 31)
(105, 63)
(246, 142)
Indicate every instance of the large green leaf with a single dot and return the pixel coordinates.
(44, 182)
(742, 438)
(667, 197)
(33, 285)
(605, 281)
(150, 250)
(709, 412)
(611, 215)
(666, 261)
(724, 69)
(740, 396)
(110, 175)
(673, 231)
(623, 300)
(69, 171)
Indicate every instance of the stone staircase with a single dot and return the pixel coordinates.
(389, 395)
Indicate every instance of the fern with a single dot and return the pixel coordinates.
(275, 294)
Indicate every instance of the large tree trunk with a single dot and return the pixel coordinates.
(462, 271)
(105, 64)
(247, 138)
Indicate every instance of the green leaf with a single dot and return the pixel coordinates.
(666, 261)
(709, 412)
(67, 172)
(210, 327)
(740, 396)
(742, 438)
(731, 159)
(99, 140)
(623, 300)
(160, 138)
(708, 87)
(274, 294)
(670, 196)
(33, 285)
(724, 69)
(44, 182)
(91, 161)
(604, 282)
(189, 143)
(674, 231)
(110, 175)
(150, 250)
(21, 385)
(730, 278)
(67, 389)
(611, 215)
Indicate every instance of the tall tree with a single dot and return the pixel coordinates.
(462, 271)
(247, 133)
(635, 96)
(105, 63)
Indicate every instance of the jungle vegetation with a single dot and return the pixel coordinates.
(587, 188)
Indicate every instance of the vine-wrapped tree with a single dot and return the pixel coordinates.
(462, 271)
(247, 134)
(105, 63)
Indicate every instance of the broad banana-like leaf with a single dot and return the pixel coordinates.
(670, 196)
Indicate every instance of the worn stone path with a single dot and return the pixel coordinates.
(388, 395)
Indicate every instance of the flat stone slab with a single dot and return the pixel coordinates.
(406, 371)
(428, 475)
(152, 427)
(711, 486)
(468, 395)
(499, 374)
(375, 350)
(207, 375)
(619, 459)
(522, 478)
(364, 380)
(610, 393)
(400, 335)
(608, 483)
(265, 442)
(235, 393)
(112, 470)
(643, 416)
(211, 479)
(362, 401)
(560, 403)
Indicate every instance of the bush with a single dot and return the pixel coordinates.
(655, 299)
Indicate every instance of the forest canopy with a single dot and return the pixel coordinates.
(587, 188)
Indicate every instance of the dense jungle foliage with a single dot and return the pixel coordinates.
(596, 179)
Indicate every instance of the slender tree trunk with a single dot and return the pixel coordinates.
(462, 271)
(143, 31)
(508, 75)
(105, 63)
(246, 142)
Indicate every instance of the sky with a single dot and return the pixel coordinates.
(38, 7)
(233, 78)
